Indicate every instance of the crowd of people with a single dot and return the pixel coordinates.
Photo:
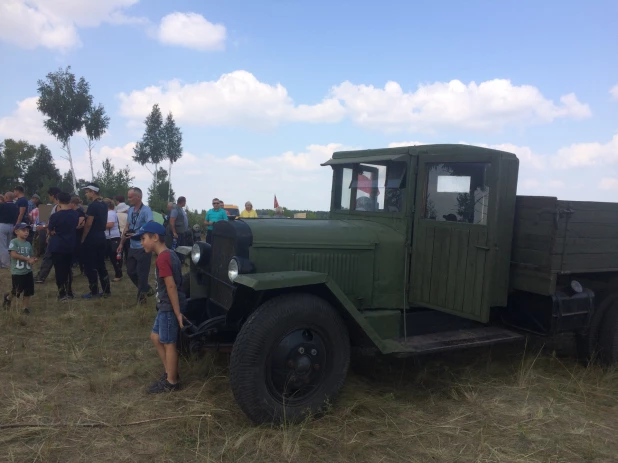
(81, 237)
(75, 236)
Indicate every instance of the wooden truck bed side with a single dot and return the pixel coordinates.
(553, 237)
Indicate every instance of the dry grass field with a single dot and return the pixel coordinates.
(73, 380)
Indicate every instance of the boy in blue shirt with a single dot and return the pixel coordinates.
(21, 267)
(214, 215)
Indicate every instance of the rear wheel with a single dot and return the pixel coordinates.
(290, 359)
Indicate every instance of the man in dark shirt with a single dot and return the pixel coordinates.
(94, 243)
(22, 207)
(8, 217)
(62, 227)
(46, 264)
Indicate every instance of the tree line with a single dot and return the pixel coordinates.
(33, 167)
(69, 110)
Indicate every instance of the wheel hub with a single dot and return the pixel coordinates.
(296, 365)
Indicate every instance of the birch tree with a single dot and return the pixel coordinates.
(64, 101)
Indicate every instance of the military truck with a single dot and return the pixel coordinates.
(427, 248)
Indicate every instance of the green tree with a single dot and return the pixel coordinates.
(112, 181)
(173, 146)
(15, 158)
(67, 184)
(158, 192)
(42, 172)
(65, 101)
(195, 217)
(96, 124)
(151, 148)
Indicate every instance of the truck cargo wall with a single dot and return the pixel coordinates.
(553, 237)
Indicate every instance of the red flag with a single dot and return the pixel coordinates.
(365, 185)
(276, 202)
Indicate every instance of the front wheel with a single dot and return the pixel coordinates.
(290, 359)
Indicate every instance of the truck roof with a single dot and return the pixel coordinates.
(392, 154)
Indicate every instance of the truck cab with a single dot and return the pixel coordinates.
(416, 257)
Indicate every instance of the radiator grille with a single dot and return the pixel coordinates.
(223, 250)
(340, 267)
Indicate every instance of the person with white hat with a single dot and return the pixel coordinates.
(94, 243)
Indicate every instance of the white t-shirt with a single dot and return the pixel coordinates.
(113, 232)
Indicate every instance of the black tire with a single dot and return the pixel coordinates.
(270, 332)
(608, 337)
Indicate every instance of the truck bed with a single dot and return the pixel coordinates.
(553, 237)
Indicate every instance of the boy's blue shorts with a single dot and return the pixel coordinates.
(166, 326)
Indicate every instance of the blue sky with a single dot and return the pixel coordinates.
(265, 91)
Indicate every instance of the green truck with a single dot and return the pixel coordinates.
(427, 248)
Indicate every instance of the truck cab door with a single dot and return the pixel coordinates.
(453, 242)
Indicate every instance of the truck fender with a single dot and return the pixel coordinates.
(260, 282)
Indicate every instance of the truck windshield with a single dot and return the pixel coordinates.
(370, 187)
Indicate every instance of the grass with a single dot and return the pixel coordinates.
(83, 367)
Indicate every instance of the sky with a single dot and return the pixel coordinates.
(264, 92)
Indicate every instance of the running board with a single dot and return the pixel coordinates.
(458, 339)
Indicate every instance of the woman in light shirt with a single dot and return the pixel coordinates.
(248, 212)
(112, 233)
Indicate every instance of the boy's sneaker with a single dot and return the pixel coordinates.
(64, 298)
(163, 386)
(39, 281)
(91, 296)
(164, 376)
(6, 302)
(27, 311)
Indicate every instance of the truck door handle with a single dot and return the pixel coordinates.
(482, 248)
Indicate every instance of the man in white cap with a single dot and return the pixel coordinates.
(94, 244)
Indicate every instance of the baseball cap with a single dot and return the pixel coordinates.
(36, 196)
(92, 186)
(22, 225)
(150, 227)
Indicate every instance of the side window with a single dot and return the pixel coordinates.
(457, 192)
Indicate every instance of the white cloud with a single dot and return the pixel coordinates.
(240, 99)
(614, 92)
(25, 123)
(608, 184)
(488, 106)
(191, 30)
(296, 178)
(54, 24)
(397, 144)
(235, 99)
(587, 154)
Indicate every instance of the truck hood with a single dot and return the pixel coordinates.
(303, 233)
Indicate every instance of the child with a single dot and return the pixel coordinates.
(62, 226)
(170, 303)
(21, 267)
